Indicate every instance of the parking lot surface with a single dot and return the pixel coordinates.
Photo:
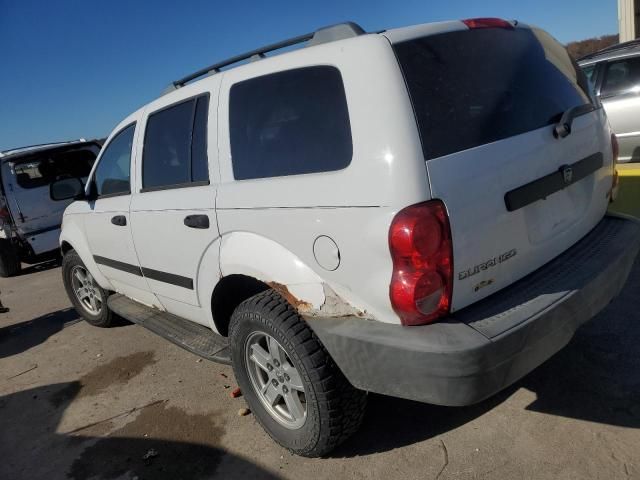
(80, 402)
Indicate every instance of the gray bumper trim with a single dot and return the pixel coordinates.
(489, 345)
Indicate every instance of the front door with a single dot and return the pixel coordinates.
(108, 226)
(173, 217)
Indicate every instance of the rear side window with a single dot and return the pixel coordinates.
(621, 76)
(41, 170)
(289, 123)
(113, 172)
(175, 146)
(470, 88)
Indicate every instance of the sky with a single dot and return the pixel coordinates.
(71, 69)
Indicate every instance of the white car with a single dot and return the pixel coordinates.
(418, 212)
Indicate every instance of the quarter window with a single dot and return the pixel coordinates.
(114, 169)
(175, 146)
(289, 123)
(622, 76)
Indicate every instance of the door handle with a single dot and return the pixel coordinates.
(196, 221)
(119, 220)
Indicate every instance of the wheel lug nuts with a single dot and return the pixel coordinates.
(276, 363)
(286, 377)
(269, 367)
(285, 389)
(275, 382)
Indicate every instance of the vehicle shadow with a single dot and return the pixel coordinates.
(28, 430)
(595, 378)
(18, 338)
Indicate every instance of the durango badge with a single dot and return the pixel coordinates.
(487, 265)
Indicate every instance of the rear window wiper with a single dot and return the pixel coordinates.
(563, 127)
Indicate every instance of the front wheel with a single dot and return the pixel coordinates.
(88, 298)
(296, 391)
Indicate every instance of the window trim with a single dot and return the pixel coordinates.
(99, 161)
(175, 186)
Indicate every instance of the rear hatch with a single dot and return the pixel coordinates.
(486, 102)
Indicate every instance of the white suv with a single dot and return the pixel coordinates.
(418, 212)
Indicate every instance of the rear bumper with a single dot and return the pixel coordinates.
(484, 348)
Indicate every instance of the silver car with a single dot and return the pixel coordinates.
(614, 74)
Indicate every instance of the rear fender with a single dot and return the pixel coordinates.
(258, 257)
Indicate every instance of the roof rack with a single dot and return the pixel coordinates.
(323, 35)
(612, 48)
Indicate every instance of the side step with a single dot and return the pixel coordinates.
(184, 333)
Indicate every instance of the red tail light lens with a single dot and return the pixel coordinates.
(422, 280)
(474, 23)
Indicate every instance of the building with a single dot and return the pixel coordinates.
(629, 19)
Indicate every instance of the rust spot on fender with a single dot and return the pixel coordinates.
(295, 302)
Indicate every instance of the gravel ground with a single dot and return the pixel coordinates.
(78, 402)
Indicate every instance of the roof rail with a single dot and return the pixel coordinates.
(612, 48)
(323, 35)
(4, 153)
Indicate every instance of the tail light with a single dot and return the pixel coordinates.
(615, 149)
(475, 23)
(422, 280)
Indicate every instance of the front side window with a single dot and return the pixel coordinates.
(113, 172)
(621, 76)
(175, 146)
(289, 123)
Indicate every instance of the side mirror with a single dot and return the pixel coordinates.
(67, 188)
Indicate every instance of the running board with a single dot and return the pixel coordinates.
(191, 336)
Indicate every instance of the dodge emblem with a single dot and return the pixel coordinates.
(567, 174)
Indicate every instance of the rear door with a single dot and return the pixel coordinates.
(620, 95)
(486, 101)
(173, 209)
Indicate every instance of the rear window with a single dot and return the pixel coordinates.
(289, 123)
(41, 170)
(475, 87)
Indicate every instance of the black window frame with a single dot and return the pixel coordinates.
(174, 186)
(348, 125)
(93, 184)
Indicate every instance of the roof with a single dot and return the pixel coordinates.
(15, 152)
(615, 51)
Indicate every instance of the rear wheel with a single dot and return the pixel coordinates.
(88, 298)
(296, 391)
(9, 261)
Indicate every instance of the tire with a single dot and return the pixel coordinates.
(334, 408)
(9, 261)
(92, 294)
